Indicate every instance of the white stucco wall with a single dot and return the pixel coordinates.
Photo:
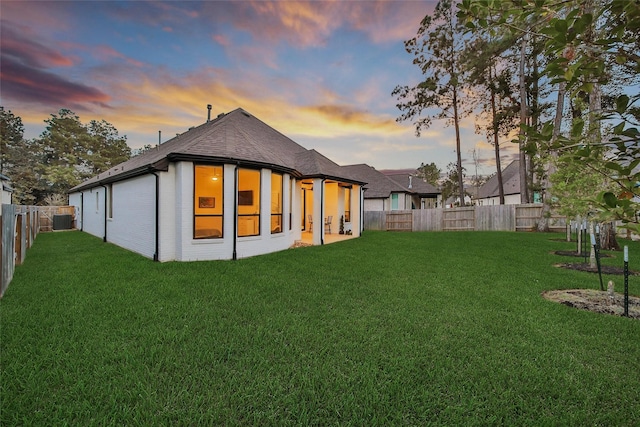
(190, 249)
(132, 225)
(75, 200)
(509, 199)
(93, 210)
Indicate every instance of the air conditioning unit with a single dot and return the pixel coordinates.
(62, 222)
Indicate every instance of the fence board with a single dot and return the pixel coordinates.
(478, 218)
(8, 245)
(458, 219)
(399, 221)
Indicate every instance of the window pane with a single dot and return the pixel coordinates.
(248, 202)
(276, 224)
(208, 227)
(208, 190)
(276, 202)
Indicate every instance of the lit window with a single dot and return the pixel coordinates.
(248, 202)
(276, 203)
(347, 204)
(207, 202)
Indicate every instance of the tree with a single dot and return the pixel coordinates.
(436, 48)
(450, 185)
(11, 135)
(106, 148)
(72, 152)
(429, 173)
(590, 45)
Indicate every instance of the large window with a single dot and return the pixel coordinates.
(347, 204)
(276, 202)
(248, 202)
(208, 202)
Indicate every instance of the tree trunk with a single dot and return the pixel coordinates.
(456, 123)
(543, 224)
(496, 141)
(579, 231)
(524, 192)
(608, 239)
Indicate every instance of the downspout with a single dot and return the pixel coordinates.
(235, 213)
(156, 255)
(361, 209)
(104, 238)
(322, 212)
(81, 211)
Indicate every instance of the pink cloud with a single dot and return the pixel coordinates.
(28, 84)
(221, 39)
(30, 52)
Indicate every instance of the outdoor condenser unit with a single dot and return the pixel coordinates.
(62, 222)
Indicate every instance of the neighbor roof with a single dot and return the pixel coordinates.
(380, 186)
(418, 185)
(233, 137)
(510, 180)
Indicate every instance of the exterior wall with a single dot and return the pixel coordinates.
(5, 197)
(509, 199)
(75, 200)
(167, 215)
(93, 211)
(190, 249)
(133, 222)
(374, 204)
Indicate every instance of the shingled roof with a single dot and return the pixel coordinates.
(235, 137)
(418, 186)
(510, 180)
(378, 185)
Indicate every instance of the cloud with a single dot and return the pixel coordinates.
(31, 53)
(27, 84)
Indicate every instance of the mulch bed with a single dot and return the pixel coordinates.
(605, 269)
(578, 255)
(595, 301)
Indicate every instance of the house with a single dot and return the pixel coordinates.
(397, 191)
(230, 188)
(489, 194)
(5, 190)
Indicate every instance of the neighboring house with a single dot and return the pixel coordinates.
(489, 194)
(5, 190)
(423, 194)
(230, 188)
(398, 191)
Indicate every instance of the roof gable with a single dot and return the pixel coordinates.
(510, 180)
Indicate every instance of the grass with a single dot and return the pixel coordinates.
(388, 329)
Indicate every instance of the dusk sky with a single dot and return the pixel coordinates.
(320, 72)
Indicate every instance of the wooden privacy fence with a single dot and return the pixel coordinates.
(472, 218)
(19, 228)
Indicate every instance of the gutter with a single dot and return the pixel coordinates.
(235, 213)
(322, 211)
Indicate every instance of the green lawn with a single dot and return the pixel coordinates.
(389, 329)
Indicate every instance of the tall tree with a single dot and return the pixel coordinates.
(11, 135)
(436, 49)
(429, 173)
(73, 152)
(590, 45)
(450, 186)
